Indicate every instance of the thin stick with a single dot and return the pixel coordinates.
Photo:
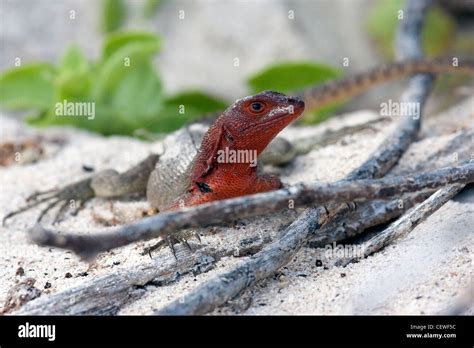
(346, 224)
(406, 223)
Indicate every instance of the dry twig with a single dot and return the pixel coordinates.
(406, 223)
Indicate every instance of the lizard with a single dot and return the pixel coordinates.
(211, 176)
(186, 176)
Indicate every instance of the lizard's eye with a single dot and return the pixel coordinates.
(257, 107)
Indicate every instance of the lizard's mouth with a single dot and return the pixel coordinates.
(288, 113)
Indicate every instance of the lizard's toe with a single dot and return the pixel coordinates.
(78, 192)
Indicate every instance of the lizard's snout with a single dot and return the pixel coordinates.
(297, 103)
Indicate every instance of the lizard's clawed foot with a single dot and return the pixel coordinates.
(170, 241)
(72, 196)
(149, 250)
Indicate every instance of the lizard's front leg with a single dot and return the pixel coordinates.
(105, 184)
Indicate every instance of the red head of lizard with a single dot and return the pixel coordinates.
(225, 165)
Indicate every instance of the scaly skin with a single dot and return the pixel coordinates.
(239, 128)
(335, 91)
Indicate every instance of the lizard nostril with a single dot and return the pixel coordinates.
(296, 102)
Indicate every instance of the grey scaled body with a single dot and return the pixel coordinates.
(170, 178)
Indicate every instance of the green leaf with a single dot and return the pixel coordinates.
(133, 93)
(105, 121)
(27, 87)
(116, 41)
(137, 97)
(150, 8)
(124, 88)
(197, 100)
(133, 103)
(73, 60)
(113, 14)
(74, 77)
(113, 70)
(167, 120)
(73, 85)
(383, 19)
(321, 114)
(181, 108)
(438, 33)
(291, 76)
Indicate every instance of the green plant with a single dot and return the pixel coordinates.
(123, 86)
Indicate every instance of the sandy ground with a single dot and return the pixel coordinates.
(428, 272)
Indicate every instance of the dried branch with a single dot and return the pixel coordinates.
(406, 223)
(225, 286)
(106, 295)
(213, 213)
(346, 224)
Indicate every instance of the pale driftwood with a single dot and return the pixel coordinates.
(225, 286)
(166, 223)
(105, 295)
(406, 223)
(350, 222)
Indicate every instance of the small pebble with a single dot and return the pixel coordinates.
(87, 168)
